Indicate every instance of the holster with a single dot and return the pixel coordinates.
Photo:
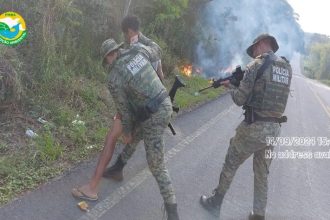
(248, 114)
(152, 106)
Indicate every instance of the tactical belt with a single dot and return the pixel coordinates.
(271, 119)
(251, 116)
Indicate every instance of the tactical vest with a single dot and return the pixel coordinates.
(271, 90)
(143, 82)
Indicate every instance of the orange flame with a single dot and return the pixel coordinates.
(187, 70)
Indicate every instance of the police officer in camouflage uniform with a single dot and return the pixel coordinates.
(263, 92)
(145, 108)
(134, 38)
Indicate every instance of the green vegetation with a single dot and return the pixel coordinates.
(316, 61)
(189, 97)
(326, 82)
(56, 75)
(48, 155)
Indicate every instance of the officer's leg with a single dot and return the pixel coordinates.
(155, 158)
(129, 149)
(234, 158)
(261, 166)
(153, 131)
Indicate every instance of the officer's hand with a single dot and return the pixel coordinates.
(225, 83)
(216, 83)
(127, 138)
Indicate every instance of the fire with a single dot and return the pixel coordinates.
(187, 70)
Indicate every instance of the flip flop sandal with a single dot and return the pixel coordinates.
(81, 195)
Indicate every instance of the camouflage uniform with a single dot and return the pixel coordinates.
(268, 96)
(133, 83)
(153, 52)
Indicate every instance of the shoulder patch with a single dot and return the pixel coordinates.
(136, 63)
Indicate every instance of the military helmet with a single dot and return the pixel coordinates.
(108, 46)
(273, 41)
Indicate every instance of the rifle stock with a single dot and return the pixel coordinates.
(177, 84)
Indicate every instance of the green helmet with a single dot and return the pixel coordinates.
(108, 46)
(274, 44)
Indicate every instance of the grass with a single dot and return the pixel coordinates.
(75, 131)
(189, 96)
(326, 82)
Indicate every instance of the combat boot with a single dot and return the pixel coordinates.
(212, 203)
(253, 216)
(172, 211)
(115, 172)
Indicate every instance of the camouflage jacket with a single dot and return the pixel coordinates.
(153, 48)
(132, 82)
(251, 89)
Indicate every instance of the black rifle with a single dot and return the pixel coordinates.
(235, 79)
(177, 84)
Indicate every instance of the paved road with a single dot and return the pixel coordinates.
(299, 188)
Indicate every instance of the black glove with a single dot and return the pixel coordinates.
(238, 75)
(217, 83)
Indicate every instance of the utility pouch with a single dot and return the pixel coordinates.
(248, 114)
(145, 112)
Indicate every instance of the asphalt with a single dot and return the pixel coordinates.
(298, 188)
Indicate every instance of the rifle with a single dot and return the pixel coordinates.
(235, 79)
(177, 84)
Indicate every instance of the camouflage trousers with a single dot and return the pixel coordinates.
(250, 139)
(152, 133)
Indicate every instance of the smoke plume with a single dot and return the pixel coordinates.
(226, 28)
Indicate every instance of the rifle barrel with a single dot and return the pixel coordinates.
(205, 88)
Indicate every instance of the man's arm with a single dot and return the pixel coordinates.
(241, 94)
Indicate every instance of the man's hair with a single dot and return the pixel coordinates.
(130, 22)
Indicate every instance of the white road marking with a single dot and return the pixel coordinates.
(114, 198)
(327, 111)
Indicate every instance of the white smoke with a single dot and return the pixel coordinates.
(227, 28)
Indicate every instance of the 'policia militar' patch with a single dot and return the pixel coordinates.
(280, 75)
(136, 64)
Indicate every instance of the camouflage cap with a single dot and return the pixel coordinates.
(108, 46)
(274, 44)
